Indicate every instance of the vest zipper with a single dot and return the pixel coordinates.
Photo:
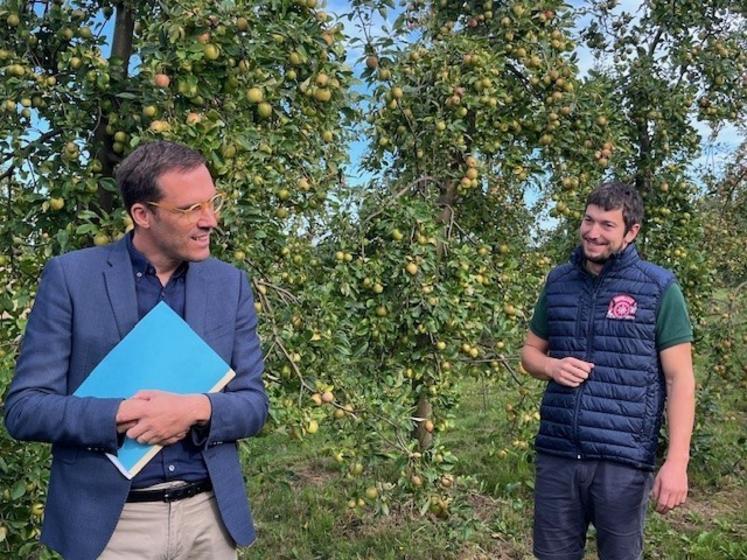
(589, 336)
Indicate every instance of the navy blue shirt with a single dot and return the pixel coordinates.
(182, 460)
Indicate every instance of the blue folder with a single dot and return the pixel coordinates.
(163, 353)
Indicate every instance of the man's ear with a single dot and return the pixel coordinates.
(632, 233)
(141, 215)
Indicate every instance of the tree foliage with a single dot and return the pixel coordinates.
(724, 210)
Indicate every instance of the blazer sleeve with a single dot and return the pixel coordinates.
(241, 409)
(39, 406)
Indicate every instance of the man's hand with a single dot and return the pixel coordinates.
(160, 418)
(670, 486)
(568, 371)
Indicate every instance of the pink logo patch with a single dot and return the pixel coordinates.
(622, 307)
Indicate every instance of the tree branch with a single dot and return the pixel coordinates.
(124, 27)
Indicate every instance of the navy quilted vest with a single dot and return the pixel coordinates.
(610, 321)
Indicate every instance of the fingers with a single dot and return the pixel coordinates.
(577, 374)
(175, 439)
(130, 410)
(578, 370)
(580, 364)
(146, 433)
(124, 426)
(665, 498)
(665, 502)
(148, 439)
(655, 493)
(669, 500)
(148, 436)
(151, 434)
(656, 488)
(154, 417)
(137, 431)
(571, 371)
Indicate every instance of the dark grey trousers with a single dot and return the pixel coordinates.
(570, 494)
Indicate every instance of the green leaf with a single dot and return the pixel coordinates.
(19, 489)
(108, 183)
(86, 228)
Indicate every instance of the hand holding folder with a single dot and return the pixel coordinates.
(160, 417)
(160, 353)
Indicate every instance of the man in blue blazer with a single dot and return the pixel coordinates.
(189, 501)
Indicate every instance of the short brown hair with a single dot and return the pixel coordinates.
(137, 175)
(616, 194)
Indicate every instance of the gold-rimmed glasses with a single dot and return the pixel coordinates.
(192, 213)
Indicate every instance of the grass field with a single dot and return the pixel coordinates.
(302, 512)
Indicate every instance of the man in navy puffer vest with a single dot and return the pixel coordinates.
(611, 335)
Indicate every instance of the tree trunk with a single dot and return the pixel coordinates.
(424, 408)
(120, 58)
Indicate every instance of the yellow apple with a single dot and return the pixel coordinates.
(264, 110)
(254, 95)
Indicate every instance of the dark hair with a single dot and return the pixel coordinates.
(614, 195)
(137, 175)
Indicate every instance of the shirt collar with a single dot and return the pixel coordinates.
(141, 265)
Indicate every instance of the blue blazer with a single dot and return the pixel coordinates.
(84, 306)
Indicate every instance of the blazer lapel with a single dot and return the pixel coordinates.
(120, 287)
(196, 300)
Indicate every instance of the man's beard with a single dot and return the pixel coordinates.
(597, 260)
(601, 259)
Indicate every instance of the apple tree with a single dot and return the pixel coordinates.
(261, 89)
(472, 106)
(724, 210)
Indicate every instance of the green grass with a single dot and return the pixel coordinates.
(302, 513)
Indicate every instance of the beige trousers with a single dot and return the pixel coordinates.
(189, 529)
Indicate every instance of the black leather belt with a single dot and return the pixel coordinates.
(170, 494)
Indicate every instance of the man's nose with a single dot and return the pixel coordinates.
(208, 218)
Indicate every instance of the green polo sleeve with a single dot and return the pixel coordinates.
(538, 324)
(673, 322)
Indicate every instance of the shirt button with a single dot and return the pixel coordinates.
(139, 275)
(172, 468)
